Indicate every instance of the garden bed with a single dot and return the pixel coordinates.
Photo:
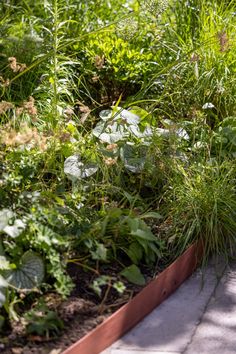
(117, 152)
(88, 331)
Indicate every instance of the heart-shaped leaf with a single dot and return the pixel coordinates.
(75, 169)
(29, 274)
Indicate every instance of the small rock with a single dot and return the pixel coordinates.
(55, 351)
(17, 350)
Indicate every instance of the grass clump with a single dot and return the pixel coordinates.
(201, 204)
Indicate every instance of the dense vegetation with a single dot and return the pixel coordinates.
(117, 140)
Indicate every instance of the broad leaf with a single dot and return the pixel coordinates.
(3, 286)
(165, 133)
(5, 216)
(29, 274)
(4, 263)
(16, 229)
(144, 234)
(135, 252)
(155, 249)
(208, 105)
(134, 158)
(13, 230)
(99, 129)
(133, 275)
(142, 113)
(105, 114)
(129, 117)
(116, 125)
(75, 169)
(181, 133)
(110, 133)
(100, 253)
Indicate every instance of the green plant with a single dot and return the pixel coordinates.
(121, 231)
(25, 274)
(82, 177)
(43, 322)
(201, 205)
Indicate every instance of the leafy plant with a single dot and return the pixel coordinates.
(121, 231)
(43, 322)
(109, 114)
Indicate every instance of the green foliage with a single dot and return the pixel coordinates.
(201, 203)
(133, 274)
(123, 232)
(108, 115)
(105, 280)
(43, 322)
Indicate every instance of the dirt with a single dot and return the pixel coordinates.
(80, 313)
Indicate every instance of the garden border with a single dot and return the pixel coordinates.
(141, 305)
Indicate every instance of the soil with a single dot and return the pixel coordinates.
(80, 313)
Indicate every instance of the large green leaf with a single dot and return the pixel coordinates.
(144, 234)
(133, 275)
(135, 252)
(29, 274)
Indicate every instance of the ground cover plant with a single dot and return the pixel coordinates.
(117, 149)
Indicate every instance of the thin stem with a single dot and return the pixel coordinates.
(55, 65)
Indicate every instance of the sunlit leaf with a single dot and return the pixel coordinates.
(208, 105)
(16, 227)
(4, 263)
(129, 117)
(5, 216)
(105, 114)
(75, 169)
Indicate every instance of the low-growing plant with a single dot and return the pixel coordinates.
(42, 322)
(123, 232)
